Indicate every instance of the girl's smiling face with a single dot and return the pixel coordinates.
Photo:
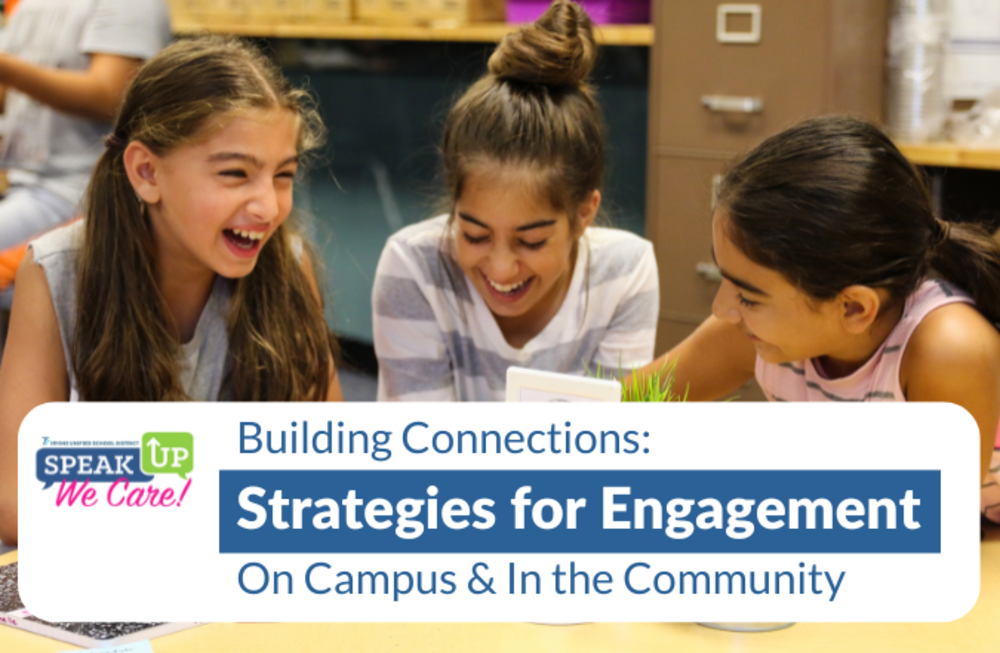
(783, 323)
(513, 245)
(215, 202)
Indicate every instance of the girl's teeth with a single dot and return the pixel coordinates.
(252, 235)
(506, 288)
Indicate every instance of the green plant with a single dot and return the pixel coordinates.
(654, 386)
(657, 385)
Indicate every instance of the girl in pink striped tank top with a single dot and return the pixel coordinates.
(839, 284)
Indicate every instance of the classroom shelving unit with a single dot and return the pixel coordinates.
(639, 35)
(949, 155)
(926, 154)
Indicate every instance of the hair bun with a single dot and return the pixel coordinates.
(557, 50)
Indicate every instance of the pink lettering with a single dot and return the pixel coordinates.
(183, 493)
(166, 499)
(137, 497)
(141, 496)
(71, 494)
(111, 491)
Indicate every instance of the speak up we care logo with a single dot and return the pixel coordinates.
(107, 462)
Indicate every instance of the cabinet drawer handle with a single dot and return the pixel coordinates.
(708, 271)
(732, 103)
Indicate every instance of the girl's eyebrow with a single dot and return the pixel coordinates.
(739, 283)
(536, 225)
(469, 218)
(249, 158)
(234, 156)
(526, 227)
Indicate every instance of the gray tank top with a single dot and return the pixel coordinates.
(202, 360)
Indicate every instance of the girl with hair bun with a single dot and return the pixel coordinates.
(183, 281)
(515, 273)
(840, 284)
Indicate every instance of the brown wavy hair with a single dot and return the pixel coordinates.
(125, 342)
(534, 108)
(832, 202)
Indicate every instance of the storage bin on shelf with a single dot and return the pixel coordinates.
(600, 11)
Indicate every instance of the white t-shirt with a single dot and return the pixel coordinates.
(436, 339)
(48, 148)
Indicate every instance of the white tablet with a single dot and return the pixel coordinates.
(533, 385)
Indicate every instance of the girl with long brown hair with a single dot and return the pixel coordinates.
(840, 284)
(183, 281)
(515, 273)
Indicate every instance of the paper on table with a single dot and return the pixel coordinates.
(135, 647)
(13, 613)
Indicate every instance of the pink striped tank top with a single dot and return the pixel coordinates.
(878, 378)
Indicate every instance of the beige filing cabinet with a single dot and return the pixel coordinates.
(724, 76)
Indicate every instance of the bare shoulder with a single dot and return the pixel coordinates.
(33, 370)
(31, 291)
(34, 327)
(952, 343)
(954, 356)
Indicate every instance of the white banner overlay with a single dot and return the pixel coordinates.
(499, 512)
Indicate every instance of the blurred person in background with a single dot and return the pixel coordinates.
(64, 67)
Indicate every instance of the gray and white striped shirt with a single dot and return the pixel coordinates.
(436, 339)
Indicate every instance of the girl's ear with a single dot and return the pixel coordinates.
(859, 306)
(588, 210)
(141, 166)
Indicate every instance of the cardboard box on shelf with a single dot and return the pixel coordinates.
(468, 10)
(387, 11)
(228, 12)
(319, 11)
(183, 12)
(430, 11)
(300, 11)
(267, 12)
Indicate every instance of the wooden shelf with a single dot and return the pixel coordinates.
(475, 32)
(949, 155)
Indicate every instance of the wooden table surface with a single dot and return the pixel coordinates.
(977, 631)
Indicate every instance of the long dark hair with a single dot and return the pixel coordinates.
(125, 343)
(832, 202)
